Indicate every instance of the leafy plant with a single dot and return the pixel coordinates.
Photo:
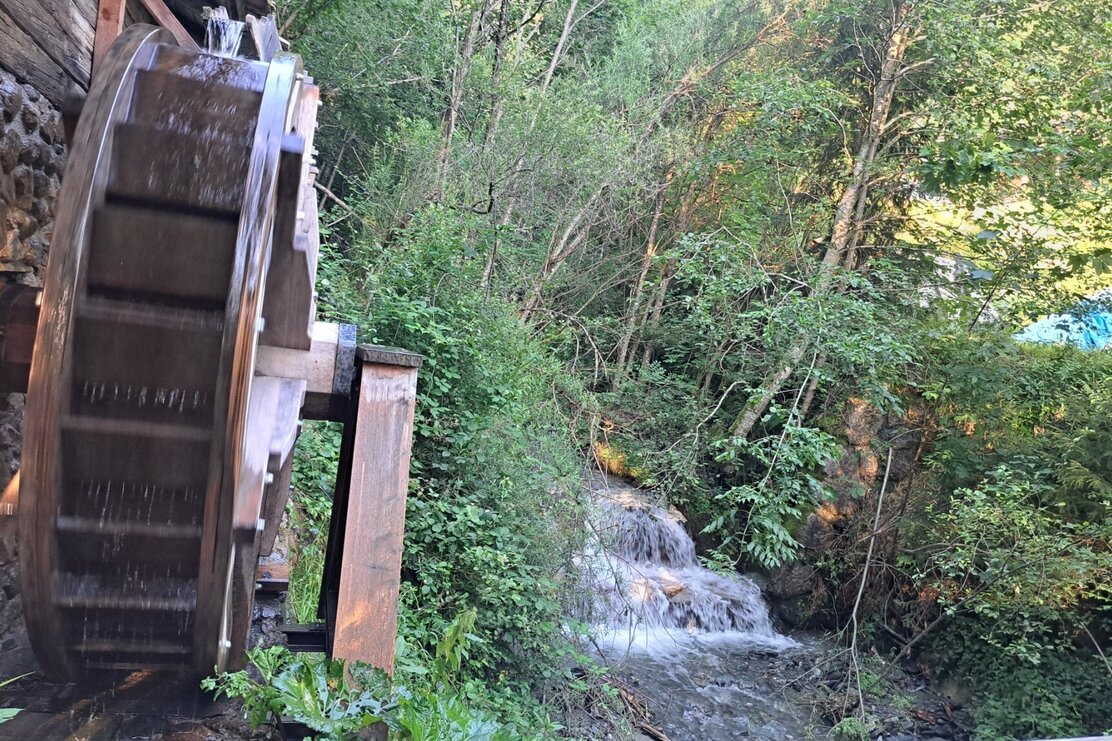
(759, 518)
(7, 714)
(336, 699)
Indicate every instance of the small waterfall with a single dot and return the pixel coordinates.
(222, 35)
(649, 588)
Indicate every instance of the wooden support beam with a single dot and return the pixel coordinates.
(290, 307)
(370, 571)
(327, 368)
(272, 576)
(271, 431)
(110, 22)
(170, 22)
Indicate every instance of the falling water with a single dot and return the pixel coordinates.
(649, 587)
(697, 647)
(222, 36)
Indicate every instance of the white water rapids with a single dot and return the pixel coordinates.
(698, 647)
(651, 591)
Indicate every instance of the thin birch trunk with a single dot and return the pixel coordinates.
(460, 70)
(638, 292)
(846, 219)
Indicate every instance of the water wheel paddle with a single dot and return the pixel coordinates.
(148, 439)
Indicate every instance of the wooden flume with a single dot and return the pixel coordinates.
(176, 352)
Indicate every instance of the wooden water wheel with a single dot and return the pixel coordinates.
(150, 444)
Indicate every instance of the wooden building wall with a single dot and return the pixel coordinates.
(48, 44)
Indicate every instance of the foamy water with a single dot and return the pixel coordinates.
(649, 592)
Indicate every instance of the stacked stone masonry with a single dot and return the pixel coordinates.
(32, 157)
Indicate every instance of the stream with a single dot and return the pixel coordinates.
(698, 647)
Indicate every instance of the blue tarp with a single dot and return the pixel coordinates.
(1088, 326)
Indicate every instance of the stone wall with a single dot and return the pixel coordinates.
(32, 156)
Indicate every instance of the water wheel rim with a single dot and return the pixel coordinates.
(51, 373)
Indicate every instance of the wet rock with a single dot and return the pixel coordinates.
(681, 597)
(55, 162)
(9, 150)
(30, 116)
(32, 158)
(791, 581)
(27, 226)
(23, 187)
(51, 130)
(41, 184)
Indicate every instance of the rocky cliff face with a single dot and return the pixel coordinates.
(32, 156)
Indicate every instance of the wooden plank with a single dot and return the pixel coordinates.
(251, 481)
(176, 171)
(136, 13)
(367, 608)
(265, 35)
(62, 34)
(272, 576)
(169, 21)
(29, 63)
(274, 507)
(290, 307)
(317, 366)
(169, 101)
(389, 355)
(110, 22)
(195, 249)
(268, 441)
(283, 437)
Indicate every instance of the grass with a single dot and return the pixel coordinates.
(306, 570)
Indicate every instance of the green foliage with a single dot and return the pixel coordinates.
(1018, 557)
(492, 517)
(309, 509)
(776, 504)
(621, 236)
(1064, 694)
(337, 700)
(7, 714)
(852, 729)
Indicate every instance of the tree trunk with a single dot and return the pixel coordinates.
(653, 318)
(637, 293)
(494, 116)
(847, 215)
(569, 21)
(460, 70)
(574, 235)
(488, 269)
